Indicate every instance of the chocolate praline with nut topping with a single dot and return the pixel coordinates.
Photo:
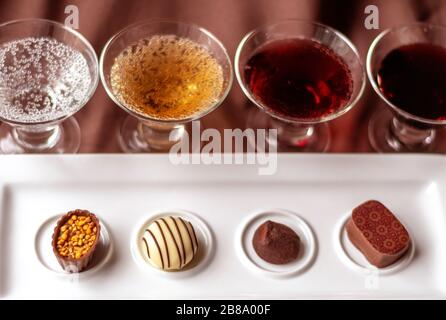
(75, 239)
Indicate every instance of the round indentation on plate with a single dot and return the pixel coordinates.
(202, 257)
(247, 254)
(354, 258)
(45, 254)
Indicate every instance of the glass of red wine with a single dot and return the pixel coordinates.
(407, 68)
(300, 74)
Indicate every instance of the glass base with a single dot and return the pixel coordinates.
(135, 136)
(314, 138)
(382, 141)
(66, 138)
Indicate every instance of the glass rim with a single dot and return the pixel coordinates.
(143, 117)
(95, 80)
(371, 77)
(260, 105)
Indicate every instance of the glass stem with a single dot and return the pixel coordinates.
(403, 136)
(160, 136)
(36, 138)
(292, 134)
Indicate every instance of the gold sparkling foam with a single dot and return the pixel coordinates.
(167, 78)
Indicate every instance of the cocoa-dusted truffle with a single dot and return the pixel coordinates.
(75, 239)
(276, 243)
(377, 233)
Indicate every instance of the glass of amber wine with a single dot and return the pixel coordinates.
(165, 74)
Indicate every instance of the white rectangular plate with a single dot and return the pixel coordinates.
(123, 189)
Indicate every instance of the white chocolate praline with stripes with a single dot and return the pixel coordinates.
(170, 243)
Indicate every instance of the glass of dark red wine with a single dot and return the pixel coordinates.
(300, 75)
(407, 68)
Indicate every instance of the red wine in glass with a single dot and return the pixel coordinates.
(299, 78)
(413, 78)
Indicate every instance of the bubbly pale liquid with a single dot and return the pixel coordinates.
(41, 79)
(167, 78)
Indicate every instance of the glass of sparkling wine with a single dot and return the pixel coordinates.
(164, 74)
(48, 72)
